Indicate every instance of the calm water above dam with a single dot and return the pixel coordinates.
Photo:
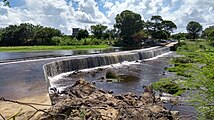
(8, 56)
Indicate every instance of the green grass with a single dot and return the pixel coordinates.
(168, 86)
(197, 70)
(43, 48)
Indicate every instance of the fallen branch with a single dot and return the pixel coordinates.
(27, 104)
(2, 116)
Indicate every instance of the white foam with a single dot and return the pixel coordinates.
(55, 79)
(162, 55)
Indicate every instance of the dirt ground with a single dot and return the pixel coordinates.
(8, 109)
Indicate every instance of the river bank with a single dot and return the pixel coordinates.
(9, 109)
(42, 48)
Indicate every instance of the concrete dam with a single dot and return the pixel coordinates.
(90, 61)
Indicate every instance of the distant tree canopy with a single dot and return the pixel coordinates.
(209, 33)
(168, 26)
(194, 29)
(181, 36)
(128, 23)
(110, 34)
(27, 34)
(156, 23)
(82, 34)
(160, 28)
(133, 30)
(98, 30)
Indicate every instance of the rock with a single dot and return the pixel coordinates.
(137, 61)
(93, 83)
(75, 72)
(109, 80)
(164, 73)
(148, 94)
(174, 113)
(100, 69)
(101, 78)
(110, 92)
(52, 90)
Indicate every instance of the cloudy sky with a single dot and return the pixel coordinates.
(66, 14)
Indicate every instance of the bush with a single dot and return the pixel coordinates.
(168, 86)
(65, 40)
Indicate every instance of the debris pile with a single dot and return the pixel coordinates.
(84, 101)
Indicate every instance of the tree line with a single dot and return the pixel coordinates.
(129, 30)
(132, 29)
(27, 34)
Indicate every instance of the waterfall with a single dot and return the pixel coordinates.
(89, 61)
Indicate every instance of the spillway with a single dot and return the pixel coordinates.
(90, 61)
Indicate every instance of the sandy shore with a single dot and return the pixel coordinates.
(8, 109)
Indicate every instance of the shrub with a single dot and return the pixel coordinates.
(168, 86)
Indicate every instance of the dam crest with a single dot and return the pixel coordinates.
(75, 63)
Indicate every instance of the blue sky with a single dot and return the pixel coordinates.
(65, 14)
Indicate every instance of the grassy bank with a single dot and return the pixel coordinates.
(195, 68)
(42, 48)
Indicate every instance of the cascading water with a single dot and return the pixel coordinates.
(90, 61)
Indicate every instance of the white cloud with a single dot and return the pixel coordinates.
(108, 5)
(179, 11)
(63, 15)
(53, 13)
(89, 12)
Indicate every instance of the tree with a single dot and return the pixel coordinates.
(27, 34)
(110, 34)
(141, 35)
(82, 34)
(194, 29)
(158, 28)
(148, 25)
(168, 25)
(180, 36)
(128, 23)
(209, 33)
(44, 35)
(156, 22)
(11, 36)
(98, 30)
(161, 34)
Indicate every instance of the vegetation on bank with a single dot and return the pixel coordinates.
(195, 68)
(168, 86)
